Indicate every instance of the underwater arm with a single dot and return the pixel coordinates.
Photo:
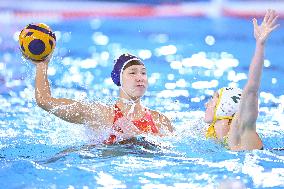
(249, 104)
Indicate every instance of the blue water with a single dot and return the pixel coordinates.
(31, 138)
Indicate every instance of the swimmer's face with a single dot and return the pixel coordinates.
(210, 106)
(135, 81)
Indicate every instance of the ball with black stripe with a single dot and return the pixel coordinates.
(37, 41)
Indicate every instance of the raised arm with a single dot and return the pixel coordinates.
(66, 109)
(248, 111)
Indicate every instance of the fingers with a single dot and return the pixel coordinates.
(274, 21)
(48, 58)
(255, 27)
(270, 20)
(45, 61)
(269, 23)
(274, 27)
(254, 21)
(271, 16)
(266, 16)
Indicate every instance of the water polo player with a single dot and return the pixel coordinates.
(127, 118)
(232, 112)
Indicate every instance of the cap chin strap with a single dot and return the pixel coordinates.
(129, 101)
(211, 130)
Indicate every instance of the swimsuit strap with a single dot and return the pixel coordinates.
(117, 113)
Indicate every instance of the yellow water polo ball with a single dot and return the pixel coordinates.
(37, 41)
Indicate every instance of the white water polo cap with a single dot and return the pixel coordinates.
(227, 105)
(228, 102)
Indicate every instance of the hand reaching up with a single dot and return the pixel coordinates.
(269, 23)
(45, 61)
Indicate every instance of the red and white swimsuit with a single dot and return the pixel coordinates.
(145, 124)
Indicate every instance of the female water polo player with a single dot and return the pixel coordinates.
(232, 112)
(126, 119)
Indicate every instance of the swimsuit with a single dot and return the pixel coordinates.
(145, 124)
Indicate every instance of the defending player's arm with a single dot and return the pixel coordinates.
(249, 104)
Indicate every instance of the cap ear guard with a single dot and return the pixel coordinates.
(229, 100)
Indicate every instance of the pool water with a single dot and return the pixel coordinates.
(187, 58)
